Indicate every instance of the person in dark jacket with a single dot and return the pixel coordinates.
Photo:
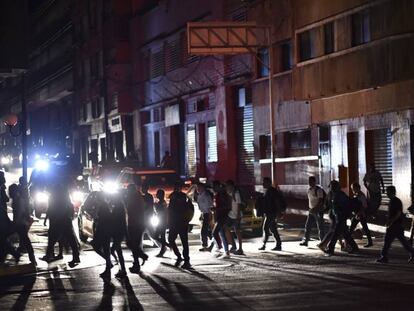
(160, 208)
(3, 195)
(134, 203)
(103, 233)
(21, 220)
(119, 231)
(222, 206)
(395, 229)
(178, 212)
(5, 224)
(339, 203)
(273, 205)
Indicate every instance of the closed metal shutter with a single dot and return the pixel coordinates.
(383, 158)
(191, 150)
(245, 142)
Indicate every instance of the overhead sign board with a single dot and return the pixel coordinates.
(210, 38)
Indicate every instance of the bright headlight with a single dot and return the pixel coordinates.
(155, 221)
(110, 187)
(77, 196)
(42, 165)
(42, 197)
(5, 160)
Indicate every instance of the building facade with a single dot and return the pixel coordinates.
(189, 105)
(103, 85)
(343, 97)
(48, 84)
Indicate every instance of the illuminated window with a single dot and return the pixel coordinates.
(212, 142)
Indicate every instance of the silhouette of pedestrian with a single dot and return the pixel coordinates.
(273, 205)
(161, 226)
(316, 203)
(374, 182)
(205, 204)
(119, 231)
(134, 203)
(222, 206)
(339, 203)
(5, 226)
(361, 215)
(395, 229)
(234, 217)
(179, 216)
(102, 235)
(22, 220)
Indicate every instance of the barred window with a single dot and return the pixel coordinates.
(157, 64)
(212, 155)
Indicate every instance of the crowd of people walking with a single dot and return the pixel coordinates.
(128, 216)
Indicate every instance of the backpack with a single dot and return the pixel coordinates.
(189, 210)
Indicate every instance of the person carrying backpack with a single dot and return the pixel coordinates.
(316, 198)
(360, 215)
(273, 206)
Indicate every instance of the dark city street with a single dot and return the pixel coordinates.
(207, 155)
(296, 278)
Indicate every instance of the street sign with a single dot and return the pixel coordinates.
(212, 38)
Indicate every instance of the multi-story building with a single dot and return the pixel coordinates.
(48, 82)
(102, 75)
(189, 105)
(343, 94)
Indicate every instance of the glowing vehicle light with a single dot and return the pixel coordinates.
(155, 221)
(77, 196)
(42, 165)
(110, 187)
(42, 197)
(5, 160)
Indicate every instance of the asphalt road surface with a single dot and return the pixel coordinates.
(297, 278)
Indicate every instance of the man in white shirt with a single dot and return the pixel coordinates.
(205, 204)
(316, 206)
(234, 216)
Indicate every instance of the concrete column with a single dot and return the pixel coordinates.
(401, 158)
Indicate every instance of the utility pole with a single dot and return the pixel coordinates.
(23, 129)
(271, 110)
(104, 92)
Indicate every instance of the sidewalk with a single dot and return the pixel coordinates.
(299, 207)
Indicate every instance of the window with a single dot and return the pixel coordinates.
(157, 64)
(264, 146)
(212, 142)
(306, 45)
(94, 65)
(96, 108)
(286, 56)
(84, 112)
(244, 96)
(191, 150)
(114, 102)
(361, 28)
(299, 143)
(173, 55)
(263, 62)
(329, 36)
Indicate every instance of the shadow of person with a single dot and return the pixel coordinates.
(24, 293)
(107, 294)
(133, 302)
(191, 270)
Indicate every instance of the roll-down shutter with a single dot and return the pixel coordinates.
(245, 139)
